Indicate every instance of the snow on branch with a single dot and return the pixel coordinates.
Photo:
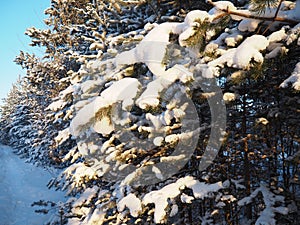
(117, 92)
(267, 216)
(160, 197)
(239, 57)
(132, 203)
(294, 79)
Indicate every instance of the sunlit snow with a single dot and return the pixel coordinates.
(21, 185)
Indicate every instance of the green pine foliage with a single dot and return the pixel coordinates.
(260, 6)
(200, 39)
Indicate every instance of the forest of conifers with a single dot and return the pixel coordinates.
(163, 112)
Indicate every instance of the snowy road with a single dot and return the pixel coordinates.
(20, 185)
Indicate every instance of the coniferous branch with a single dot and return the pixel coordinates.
(260, 6)
(250, 16)
(198, 39)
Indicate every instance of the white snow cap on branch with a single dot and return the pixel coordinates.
(171, 191)
(132, 203)
(239, 57)
(151, 50)
(270, 200)
(57, 105)
(120, 91)
(229, 97)
(223, 5)
(294, 79)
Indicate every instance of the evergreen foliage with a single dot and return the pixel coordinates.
(85, 108)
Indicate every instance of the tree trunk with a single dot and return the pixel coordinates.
(247, 175)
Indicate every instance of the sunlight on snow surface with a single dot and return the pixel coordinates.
(22, 184)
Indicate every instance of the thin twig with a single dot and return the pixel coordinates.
(276, 14)
(152, 7)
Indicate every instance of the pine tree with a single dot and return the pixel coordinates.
(124, 102)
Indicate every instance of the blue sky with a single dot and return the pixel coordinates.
(15, 17)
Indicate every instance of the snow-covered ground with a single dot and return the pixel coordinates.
(20, 185)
